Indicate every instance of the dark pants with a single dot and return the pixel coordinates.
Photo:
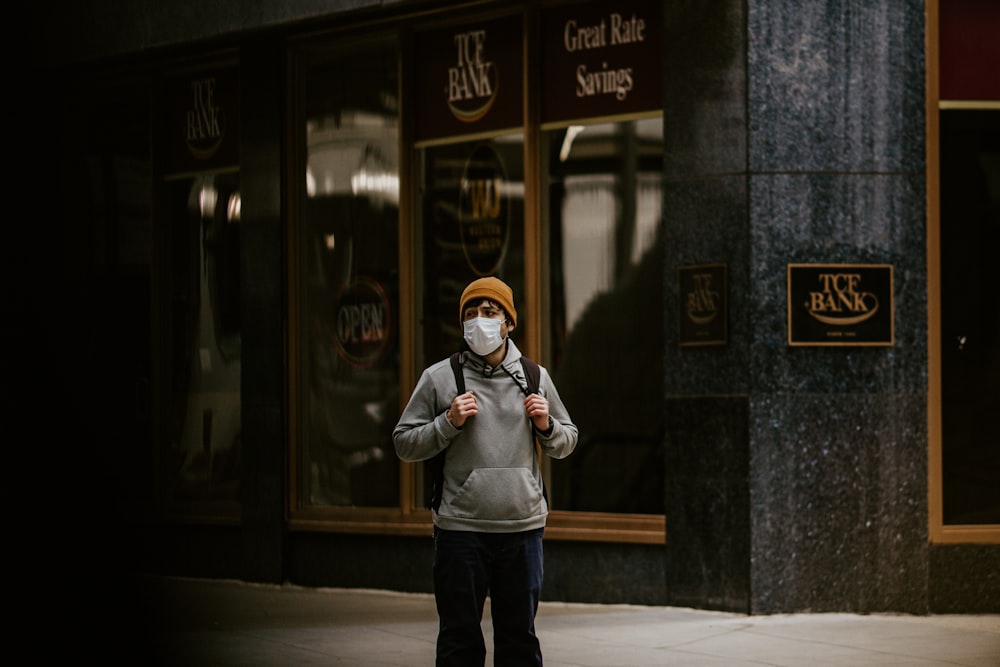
(507, 567)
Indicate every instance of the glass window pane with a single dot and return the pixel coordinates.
(349, 281)
(202, 455)
(970, 320)
(472, 225)
(604, 206)
(471, 221)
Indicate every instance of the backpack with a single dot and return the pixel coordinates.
(435, 466)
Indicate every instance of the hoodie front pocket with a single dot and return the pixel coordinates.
(497, 494)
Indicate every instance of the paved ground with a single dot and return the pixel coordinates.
(210, 622)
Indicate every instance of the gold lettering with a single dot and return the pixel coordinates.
(580, 39)
(203, 117)
(840, 293)
(628, 30)
(484, 197)
(470, 77)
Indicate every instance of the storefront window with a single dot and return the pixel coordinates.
(202, 453)
(605, 262)
(348, 281)
(471, 222)
(970, 326)
(199, 351)
(595, 276)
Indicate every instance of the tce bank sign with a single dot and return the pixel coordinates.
(469, 79)
(840, 304)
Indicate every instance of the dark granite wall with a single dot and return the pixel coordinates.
(706, 217)
(800, 139)
(965, 579)
(262, 491)
(574, 572)
(361, 561)
(607, 573)
(101, 31)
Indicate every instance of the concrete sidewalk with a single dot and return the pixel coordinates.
(211, 622)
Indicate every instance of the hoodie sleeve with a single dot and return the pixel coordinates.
(423, 430)
(561, 441)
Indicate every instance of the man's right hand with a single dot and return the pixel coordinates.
(462, 407)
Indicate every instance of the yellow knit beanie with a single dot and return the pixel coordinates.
(490, 288)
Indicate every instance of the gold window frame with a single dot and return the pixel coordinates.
(409, 519)
(938, 532)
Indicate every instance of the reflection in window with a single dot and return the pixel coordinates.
(203, 450)
(472, 225)
(349, 282)
(604, 193)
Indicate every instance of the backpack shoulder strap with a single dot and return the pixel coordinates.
(531, 373)
(533, 376)
(456, 367)
(435, 466)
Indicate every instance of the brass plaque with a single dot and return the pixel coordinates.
(840, 304)
(702, 304)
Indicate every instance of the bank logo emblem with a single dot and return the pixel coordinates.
(702, 300)
(840, 301)
(473, 81)
(205, 120)
(702, 294)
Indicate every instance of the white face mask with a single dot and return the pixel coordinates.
(483, 335)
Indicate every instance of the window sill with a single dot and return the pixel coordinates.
(568, 526)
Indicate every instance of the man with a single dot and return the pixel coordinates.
(489, 522)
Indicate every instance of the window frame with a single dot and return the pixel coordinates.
(938, 531)
(225, 512)
(408, 518)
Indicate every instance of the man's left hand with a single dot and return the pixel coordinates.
(537, 407)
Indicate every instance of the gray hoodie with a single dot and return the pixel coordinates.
(492, 481)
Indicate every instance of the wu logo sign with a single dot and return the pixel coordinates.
(484, 214)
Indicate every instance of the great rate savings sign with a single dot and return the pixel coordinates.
(601, 59)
